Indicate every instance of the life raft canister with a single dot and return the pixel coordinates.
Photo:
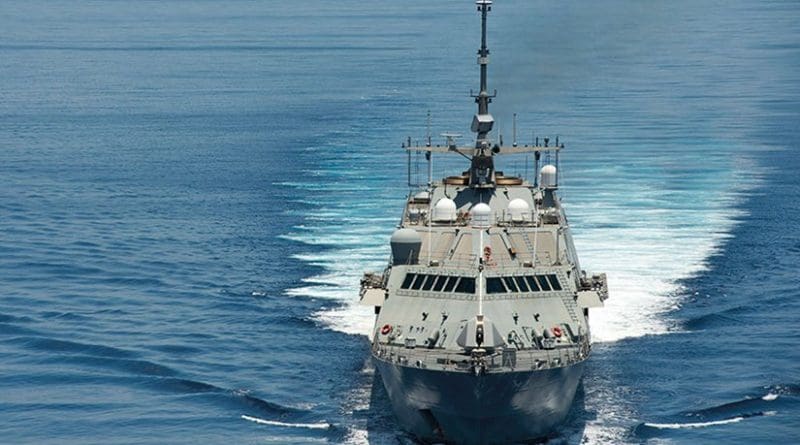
(387, 328)
(557, 331)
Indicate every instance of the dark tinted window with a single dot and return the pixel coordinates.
(429, 282)
(466, 285)
(554, 282)
(494, 286)
(418, 282)
(532, 283)
(512, 287)
(440, 284)
(407, 281)
(451, 284)
(542, 282)
(521, 284)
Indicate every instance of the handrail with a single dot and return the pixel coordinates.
(500, 150)
(519, 359)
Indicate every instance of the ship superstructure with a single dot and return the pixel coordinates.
(482, 314)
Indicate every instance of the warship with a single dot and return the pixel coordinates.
(482, 314)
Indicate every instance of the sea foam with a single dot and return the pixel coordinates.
(647, 232)
(313, 426)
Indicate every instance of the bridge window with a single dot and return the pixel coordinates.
(554, 282)
(509, 281)
(440, 281)
(521, 284)
(408, 280)
(418, 282)
(494, 286)
(542, 282)
(451, 284)
(532, 283)
(466, 285)
(429, 282)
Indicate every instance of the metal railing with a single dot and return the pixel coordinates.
(443, 259)
(501, 218)
(504, 359)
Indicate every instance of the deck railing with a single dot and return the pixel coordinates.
(503, 359)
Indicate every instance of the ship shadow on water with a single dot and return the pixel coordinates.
(571, 432)
(383, 429)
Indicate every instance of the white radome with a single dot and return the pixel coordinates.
(481, 215)
(519, 210)
(549, 176)
(444, 210)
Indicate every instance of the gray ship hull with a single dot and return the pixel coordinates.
(494, 408)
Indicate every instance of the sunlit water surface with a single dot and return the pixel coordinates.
(191, 191)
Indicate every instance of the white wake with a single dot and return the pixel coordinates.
(313, 426)
(645, 235)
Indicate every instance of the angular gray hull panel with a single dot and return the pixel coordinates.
(495, 408)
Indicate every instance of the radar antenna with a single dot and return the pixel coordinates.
(482, 170)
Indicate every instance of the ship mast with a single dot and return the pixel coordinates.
(482, 169)
(483, 99)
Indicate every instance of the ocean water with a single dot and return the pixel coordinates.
(190, 191)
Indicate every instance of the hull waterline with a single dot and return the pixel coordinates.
(493, 408)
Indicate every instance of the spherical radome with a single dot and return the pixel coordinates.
(549, 176)
(445, 210)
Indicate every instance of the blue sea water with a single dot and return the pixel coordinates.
(189, 192)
